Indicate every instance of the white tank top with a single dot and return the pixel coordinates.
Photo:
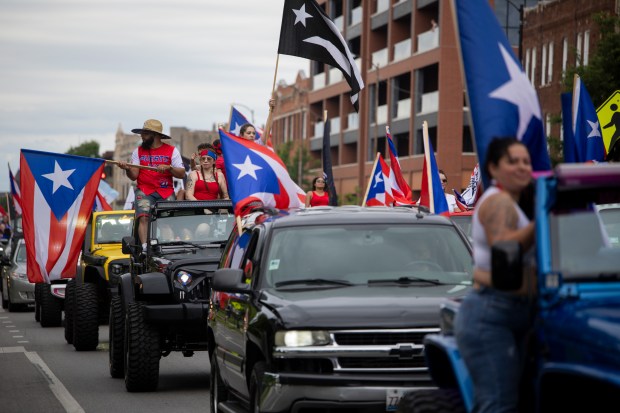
(482, 250)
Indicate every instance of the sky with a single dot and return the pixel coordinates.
(73, 71)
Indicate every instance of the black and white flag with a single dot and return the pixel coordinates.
(309, 33)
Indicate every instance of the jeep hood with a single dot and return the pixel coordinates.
(360, 306)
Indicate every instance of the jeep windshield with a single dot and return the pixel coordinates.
(180, 228)
(110, 229)
(585, 242)
(370, 254)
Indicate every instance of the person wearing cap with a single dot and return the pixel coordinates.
(152, 185)
(207, 182)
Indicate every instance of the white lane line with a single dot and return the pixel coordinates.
(60, 391)
(10, 326)
(13, 331)
(18, 336)
(23, 341)
(6, 322)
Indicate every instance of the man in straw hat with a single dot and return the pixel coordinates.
(162, 162)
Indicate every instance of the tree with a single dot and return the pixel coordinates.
(89, 149)
(602, 74)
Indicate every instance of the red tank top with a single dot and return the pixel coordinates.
(153, 181)
(319, 200)
(205, 191)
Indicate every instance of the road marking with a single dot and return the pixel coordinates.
(60, 391)
(10, 326)
(13, 331)
(23, 341)
(5, 322)
(18, 336)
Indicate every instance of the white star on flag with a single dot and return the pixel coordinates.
(595, 130)
(59, 177)
(236, 130)
(518, 91)
(247, 168)
(377, 179)
(301, 15)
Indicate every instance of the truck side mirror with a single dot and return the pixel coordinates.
(127, 245)
(506, 265)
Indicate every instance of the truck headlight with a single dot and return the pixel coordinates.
(302, 338)
(184, 278)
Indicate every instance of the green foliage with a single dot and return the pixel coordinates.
(294, 154)
(89, 149)
(352, 198)
(555, 144)
(602, 74)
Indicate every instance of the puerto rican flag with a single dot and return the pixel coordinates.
(400, 184)
(58, 192)
(237, 120)
(257, 176)
(431, 192)
(16, 193)
(379, 192)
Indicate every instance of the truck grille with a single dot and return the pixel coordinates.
(377, 337)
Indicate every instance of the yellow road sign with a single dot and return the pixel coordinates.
(609, 116)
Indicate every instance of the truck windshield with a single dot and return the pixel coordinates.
(586, 242)
(199, 229)
(110, 229)
(368, 254)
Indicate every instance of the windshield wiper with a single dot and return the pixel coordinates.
(406, 280)
(313, 281)
(183, 243)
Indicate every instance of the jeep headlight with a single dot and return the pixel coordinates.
(302, 338)
(184, 278)
(116, 269)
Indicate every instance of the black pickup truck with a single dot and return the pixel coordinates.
(325, 309)
(162, 304)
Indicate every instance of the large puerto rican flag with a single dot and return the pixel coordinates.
(58, 192)
(257, 176)
(16, 193)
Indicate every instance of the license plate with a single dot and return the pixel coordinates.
(392, 398)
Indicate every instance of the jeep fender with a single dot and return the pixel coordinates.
(125, 290)
(152, 283)
(446, 366)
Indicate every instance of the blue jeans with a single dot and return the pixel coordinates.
(491, 328)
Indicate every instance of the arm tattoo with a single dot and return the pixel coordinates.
(501, 217)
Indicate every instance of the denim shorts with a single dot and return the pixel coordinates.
(491, 329)
(143, 202)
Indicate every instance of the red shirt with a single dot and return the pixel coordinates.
(205, 191)
(153, 181)
(319, 200)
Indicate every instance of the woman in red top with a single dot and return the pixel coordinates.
(206, 183)
(318, 196)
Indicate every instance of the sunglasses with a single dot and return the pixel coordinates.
(320, 181)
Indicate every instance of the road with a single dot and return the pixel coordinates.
(40, 372)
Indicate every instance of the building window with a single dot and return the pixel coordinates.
(564, 54)
(533, 79)
(527, 63)
(550, 64)
(578, 55)
(543, 71)
(548, 125)
(586, 47)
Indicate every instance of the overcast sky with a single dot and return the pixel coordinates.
(72, 71)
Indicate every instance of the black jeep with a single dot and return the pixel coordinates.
(163, 303)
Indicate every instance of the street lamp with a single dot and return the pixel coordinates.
(245, 107)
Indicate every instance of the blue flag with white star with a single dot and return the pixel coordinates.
(503, 102)
(585, 126)
(237, 120)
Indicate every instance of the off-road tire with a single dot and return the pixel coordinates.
(432, 401)
(117, 339)
(51, 307)
(256, 379)
(69, 308)
(37, 302)
(218, 390)
(142, 351)
(86, 317)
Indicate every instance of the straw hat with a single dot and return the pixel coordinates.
(152, 126)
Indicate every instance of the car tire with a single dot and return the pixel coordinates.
(432, 401)
(256, 380)
(86, 317)
(51, 307)
(69, 308)
(117, 339)
(37, 302)
(142, 351)
(218, 390)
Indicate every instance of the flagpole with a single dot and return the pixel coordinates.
(8, 206)
(573, 120)
(374, 166)
(429, 178)
(150, 168)
(230, 117)
(273, 94)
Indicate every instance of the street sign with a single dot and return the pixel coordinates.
(609, 116)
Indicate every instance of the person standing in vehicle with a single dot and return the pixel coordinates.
(492, 326)
(318, 196)
(206, 183)
(153, 185)
(450, 199)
